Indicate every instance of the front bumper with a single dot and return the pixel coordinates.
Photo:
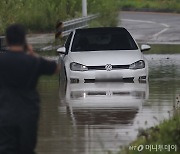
(140, 74)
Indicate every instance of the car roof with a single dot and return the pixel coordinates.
(122, 29)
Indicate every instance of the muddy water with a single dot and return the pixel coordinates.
(94, 118)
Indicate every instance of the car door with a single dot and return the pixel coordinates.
(63, 58)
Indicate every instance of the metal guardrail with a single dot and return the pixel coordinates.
(69, 26)
(82, 22)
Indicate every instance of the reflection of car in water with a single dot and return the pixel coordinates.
(103, 113)
(105, 103)
(103, 54)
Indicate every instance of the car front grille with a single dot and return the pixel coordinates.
(114, 67)
(126, 80)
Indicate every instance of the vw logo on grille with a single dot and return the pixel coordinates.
(108, 67)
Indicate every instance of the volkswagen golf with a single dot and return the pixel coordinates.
(103, 54)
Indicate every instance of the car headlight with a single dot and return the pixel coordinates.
(78, 67)
(137, 65)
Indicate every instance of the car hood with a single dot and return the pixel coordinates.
(96, 58)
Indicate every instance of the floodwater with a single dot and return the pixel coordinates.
(94, 118)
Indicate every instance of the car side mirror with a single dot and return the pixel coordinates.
(145, 47)
(61, 50)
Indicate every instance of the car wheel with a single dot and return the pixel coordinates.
(65, 75)
(62, 76)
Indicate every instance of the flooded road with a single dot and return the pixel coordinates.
(94, 118)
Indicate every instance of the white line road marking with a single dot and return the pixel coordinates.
(144, 21)
(155, 36)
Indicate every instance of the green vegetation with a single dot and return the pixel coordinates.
(42, 15)
(151, 5)
(108, 10)
(163, 49)
(37, 16)
(167, 133)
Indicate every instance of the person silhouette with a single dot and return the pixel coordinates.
(20, 69)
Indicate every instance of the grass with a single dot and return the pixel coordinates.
(37, 16)
(41, 16)
(167, 133)
(108, 12)
(164, 49)
(151, 5)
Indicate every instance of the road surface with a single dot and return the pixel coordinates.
(146, 27)
(158, 28)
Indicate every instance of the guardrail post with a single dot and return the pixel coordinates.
(84, 8)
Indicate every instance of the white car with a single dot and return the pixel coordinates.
(103, 54)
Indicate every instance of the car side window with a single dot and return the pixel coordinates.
(68, 42)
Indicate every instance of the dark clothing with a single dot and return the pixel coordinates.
(19, 101)
(21, 71)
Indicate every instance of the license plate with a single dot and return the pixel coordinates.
(108, 75)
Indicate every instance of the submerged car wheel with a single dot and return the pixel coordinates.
(63, 75)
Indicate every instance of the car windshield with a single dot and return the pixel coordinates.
(103, 40)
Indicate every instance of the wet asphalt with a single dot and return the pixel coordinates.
(158, 28)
